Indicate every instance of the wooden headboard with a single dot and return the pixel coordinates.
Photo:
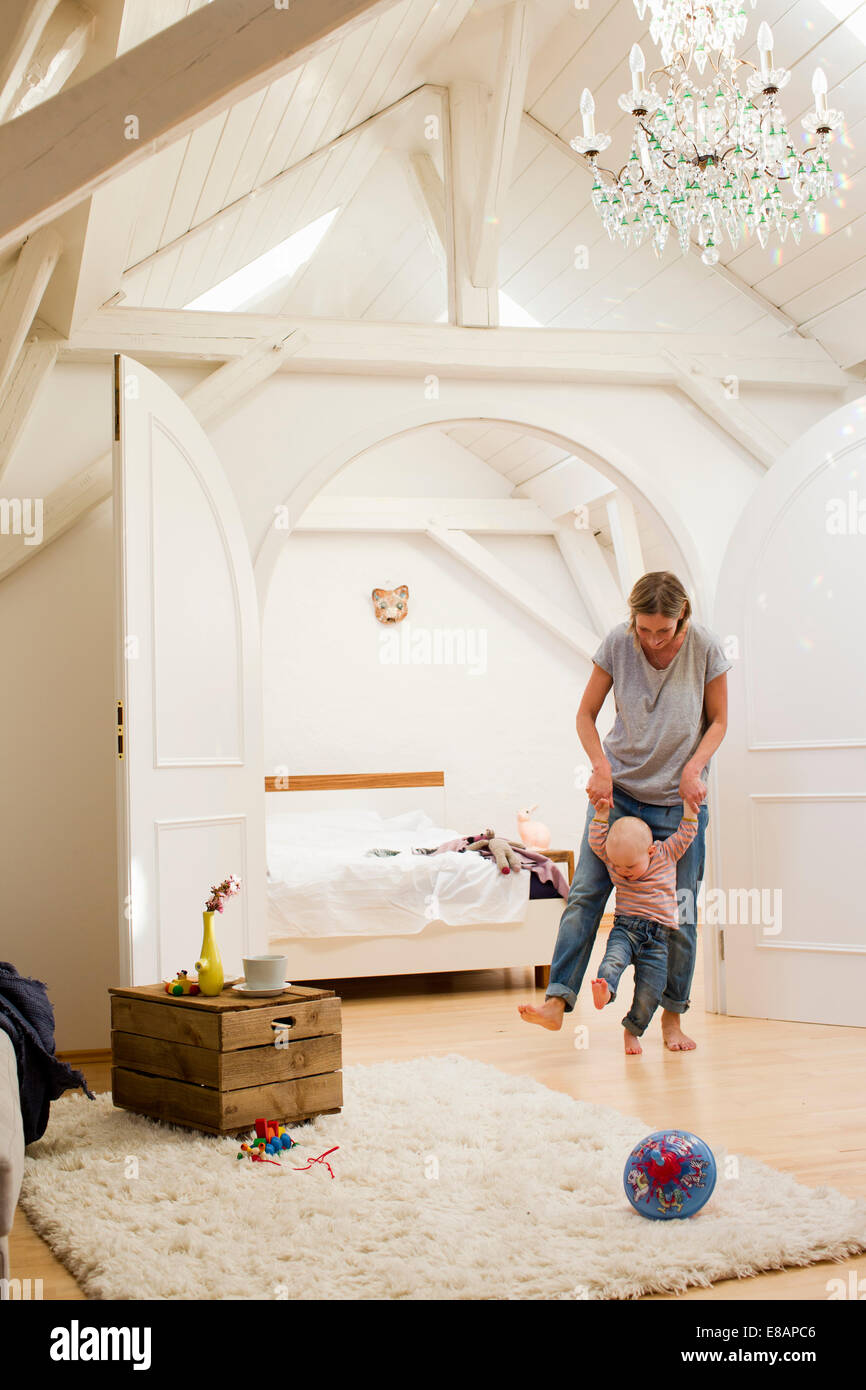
(347, 781)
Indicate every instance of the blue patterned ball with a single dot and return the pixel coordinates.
(669, 1175)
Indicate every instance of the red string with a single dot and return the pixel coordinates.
(322, 1158)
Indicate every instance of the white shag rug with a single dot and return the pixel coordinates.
(453, 1180)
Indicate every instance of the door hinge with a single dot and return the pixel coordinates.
(120, 731)
(721, 945)
(116, 397)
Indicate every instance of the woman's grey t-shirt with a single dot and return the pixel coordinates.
(659, 714)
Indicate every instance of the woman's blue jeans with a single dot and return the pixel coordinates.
(590, 890)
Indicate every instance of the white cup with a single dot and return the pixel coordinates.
(265, 972)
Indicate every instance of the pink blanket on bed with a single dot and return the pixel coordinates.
(537, 863)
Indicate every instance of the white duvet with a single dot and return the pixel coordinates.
(322, 882)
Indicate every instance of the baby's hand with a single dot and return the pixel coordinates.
(690, 809)
(602, 806)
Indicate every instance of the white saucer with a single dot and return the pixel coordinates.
(241, 987)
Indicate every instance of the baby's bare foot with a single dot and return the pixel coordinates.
(600, 993)
(675, 1039)
(632, 1045)
(548, 1016)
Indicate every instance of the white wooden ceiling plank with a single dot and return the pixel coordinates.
(233, 138)
(262, 133)
(827, 293)
(736, 315)
(568, 38)
(273, 158)
(205, 276)
(466, 434)
(412, 20)
(347, 259)
(438, 25)
(324, 119)
(496, 437)
(517, 453)
(544, 243)
(668, 300)
(198, 154)
(545, 180)
(412, 263)
(610, 291)
(381, 217)
(777, 274)
(428, 301)
(160, 280)
(842, 331)
(600, 63)
(281, 210)
(162, 175)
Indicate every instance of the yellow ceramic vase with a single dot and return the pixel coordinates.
(210, 966)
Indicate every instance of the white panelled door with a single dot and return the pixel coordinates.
(190, 781)
(792, 770)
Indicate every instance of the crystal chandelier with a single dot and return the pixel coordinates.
(709, 158)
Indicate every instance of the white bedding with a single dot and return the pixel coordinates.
(321, 881)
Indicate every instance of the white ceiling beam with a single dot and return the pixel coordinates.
(502, 516)
(742, 286)
(473, 306)
(428, 193)
(514, 587)
(590, 572)
(21, 24)
(494, 170)
(19, 399)
(720, 403)
(344, 345)
(626, 540)
(55, 156)
(33, 269)
(212, 399)
(61, 47)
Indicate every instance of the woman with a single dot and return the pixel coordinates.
(670, 688)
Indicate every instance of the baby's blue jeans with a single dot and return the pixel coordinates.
(590, 890)
(640, 942)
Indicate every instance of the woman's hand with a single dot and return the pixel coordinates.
(691, 787)
(599, 788)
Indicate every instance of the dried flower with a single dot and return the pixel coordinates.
(227, 889)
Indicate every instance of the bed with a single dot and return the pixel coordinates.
(338, 911)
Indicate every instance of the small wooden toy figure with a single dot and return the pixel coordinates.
(182, 984)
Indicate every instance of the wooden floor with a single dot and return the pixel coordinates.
(789, 1094)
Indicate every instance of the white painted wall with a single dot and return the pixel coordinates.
(56, 624)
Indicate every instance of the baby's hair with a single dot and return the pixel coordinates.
(659, 592)
(625, 826)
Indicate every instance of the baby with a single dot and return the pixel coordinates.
(644, 872)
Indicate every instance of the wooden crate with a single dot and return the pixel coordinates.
(212, 1063)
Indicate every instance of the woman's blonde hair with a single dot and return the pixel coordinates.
(659, 592)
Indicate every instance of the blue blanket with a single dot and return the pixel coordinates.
(27, 1016)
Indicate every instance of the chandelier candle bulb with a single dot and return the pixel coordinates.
(819, 91)
(637, 65)
(587, 111)
(765, 48)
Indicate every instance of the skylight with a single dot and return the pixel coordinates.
(279, 264)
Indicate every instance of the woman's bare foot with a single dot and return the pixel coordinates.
(675, 1039)
(600, 993)
(548, 1016)
(632, 1044)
